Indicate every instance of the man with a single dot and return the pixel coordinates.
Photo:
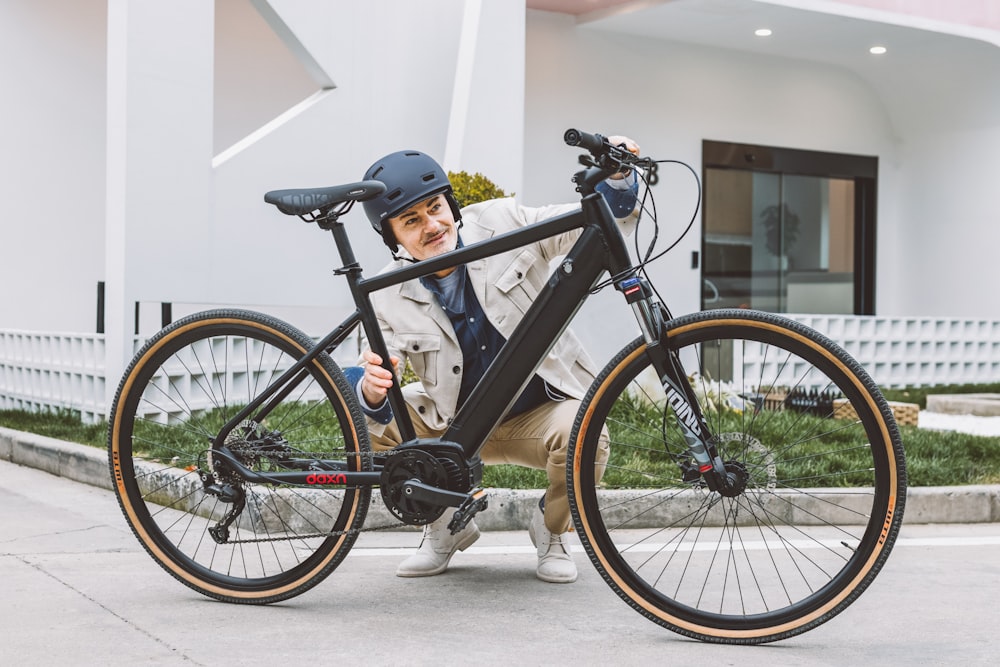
(451, 325)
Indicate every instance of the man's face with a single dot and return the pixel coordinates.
(427, 228)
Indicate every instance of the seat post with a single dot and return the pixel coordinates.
(344, 247)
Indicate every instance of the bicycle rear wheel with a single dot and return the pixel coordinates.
(819, 459)
(248, 543)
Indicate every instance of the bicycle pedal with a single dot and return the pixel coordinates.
(476, 502)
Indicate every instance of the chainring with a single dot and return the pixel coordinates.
(410, 464)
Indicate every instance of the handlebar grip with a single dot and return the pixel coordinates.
(595, 143)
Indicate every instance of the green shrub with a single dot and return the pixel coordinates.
(474, 188)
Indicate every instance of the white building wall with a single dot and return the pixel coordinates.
(52, 156)
(393, 66)
(193, 222)
(179, 192)
(949, 241)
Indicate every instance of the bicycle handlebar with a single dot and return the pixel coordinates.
(591, 142)
(606, 155)
(604, 159)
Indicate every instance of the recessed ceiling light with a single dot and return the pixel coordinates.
(877, 50)
(762, 32)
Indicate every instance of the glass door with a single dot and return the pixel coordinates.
(787, 242)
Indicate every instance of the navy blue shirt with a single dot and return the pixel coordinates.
(479, 339)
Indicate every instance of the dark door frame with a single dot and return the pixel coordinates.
(861, 169)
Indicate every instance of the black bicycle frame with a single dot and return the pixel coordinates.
(599, 248)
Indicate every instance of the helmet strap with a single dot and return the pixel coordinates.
(456, 210)
(400, 258)
(389, 238)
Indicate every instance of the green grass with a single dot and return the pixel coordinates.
(950, 459)
(933, 458)
(61, 424)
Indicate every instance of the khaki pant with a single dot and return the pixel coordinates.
(536, 439)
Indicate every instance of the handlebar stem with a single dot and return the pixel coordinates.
(587, 180)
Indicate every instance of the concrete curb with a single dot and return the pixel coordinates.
(71, 460)
(509, 509)
(977, 405)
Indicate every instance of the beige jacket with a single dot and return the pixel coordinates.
(417, 329)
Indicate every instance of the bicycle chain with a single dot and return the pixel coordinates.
(250, 451)
(370, 456)
(374, 501)
(332, 533)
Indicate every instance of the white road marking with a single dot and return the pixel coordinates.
(503, 550)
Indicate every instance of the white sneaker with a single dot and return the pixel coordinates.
(555, 565)
(437, 547)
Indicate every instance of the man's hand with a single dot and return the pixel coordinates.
(377, 380)
(629, 145)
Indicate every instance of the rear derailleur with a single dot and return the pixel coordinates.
(249, 444)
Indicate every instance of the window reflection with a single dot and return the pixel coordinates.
(778, 242)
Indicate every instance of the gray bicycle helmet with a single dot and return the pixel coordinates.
(409, 177)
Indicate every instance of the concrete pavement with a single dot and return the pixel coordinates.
(79, 589)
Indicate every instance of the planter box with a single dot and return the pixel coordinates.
(905, 413)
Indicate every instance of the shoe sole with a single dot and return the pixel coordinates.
(552, 580)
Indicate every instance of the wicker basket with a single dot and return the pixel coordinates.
(905, 413)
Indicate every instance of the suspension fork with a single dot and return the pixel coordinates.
(680, 394)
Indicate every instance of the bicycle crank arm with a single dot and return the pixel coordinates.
(417, 491)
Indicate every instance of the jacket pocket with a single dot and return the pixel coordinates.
(422, 351)
(513, 280)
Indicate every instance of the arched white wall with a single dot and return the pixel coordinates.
(935, 130)
(669, 97)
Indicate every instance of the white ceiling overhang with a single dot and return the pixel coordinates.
(958, 60)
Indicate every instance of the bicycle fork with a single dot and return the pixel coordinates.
(680, 395)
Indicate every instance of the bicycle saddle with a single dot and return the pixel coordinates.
(306, 200)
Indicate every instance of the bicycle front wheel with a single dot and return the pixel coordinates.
(820, 473)
(222, 536)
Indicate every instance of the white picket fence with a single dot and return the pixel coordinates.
(917, 351)
(43, 370)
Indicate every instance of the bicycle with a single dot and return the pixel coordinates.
(755, 486)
